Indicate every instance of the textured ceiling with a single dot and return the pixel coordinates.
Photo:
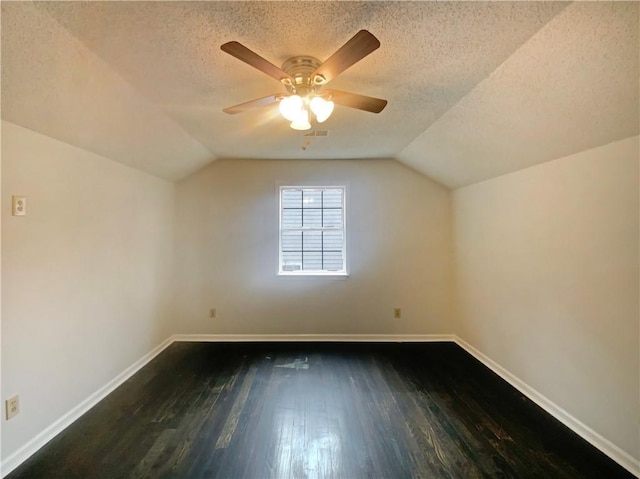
(475, 89)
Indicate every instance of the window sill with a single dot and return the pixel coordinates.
(313, 274)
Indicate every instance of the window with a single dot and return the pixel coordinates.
(312, 230)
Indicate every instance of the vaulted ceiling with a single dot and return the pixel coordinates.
(475, 89)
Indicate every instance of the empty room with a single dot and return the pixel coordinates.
(324, 239)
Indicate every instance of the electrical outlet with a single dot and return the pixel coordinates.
(18, 205)
(12, 407)
(397, 313)
(212, 313)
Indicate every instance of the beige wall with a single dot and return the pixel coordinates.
(547, 280)
(546, 265)
(85, 275)
(399, 252)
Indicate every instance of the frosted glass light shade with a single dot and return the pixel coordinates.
(301, 121)
(290, 107)
(321, 108)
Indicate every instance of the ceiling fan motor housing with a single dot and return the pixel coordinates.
(301, 69)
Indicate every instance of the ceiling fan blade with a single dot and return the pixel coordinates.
(353, 100)
(241, 52)
(360, 45)
(257, 103)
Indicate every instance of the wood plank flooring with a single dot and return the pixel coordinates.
(316, 410)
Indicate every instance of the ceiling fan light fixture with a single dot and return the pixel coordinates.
(291, 107)
(301, 121)
(321, 108)
(304, 78)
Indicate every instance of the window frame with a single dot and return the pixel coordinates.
(301, 273)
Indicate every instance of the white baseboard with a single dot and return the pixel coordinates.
(607, 447)
(370, 338)
(26, 451)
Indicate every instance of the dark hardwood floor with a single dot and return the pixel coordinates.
(308, 410)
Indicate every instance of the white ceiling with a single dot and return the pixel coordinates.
(475, 89)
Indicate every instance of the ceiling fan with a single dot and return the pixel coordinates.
(304, 78)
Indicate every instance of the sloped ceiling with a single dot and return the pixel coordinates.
(475, 89)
